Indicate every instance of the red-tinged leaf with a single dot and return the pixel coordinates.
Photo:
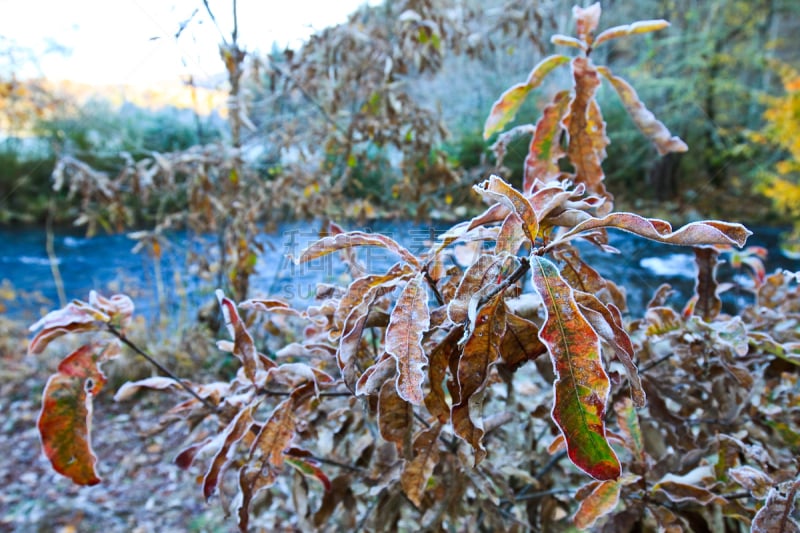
(66, 417)
(129, 389)
(521, 342)
(506, 107)
(410, 318)
(549, 198)
(343, 241)
(481, 351)
(582, 385)
(446, 351)
(644, 119)
(395, 418)
(243, 347)
(487, 271)
(775, 516)
(309, 468)
(545, 150)
(708, 305)
(185, 458)
(566, 40)
(500, 191)
(511, 237)
(417, 471)
(586, 20)
(237, 428)
(642, 26)
(582, 150)
(606, 321)
(601, 501)
(692, 234)
(754, 480)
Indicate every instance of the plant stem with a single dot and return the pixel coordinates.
(121, 336)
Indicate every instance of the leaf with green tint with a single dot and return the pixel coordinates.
(582, 385)
(601, 501)
(644, 119)
(506, 107)
(309, 468)
(545, 149)
(417, 471)
(628, 422)
(66, 416)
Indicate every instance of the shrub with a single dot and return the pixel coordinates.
(445, 399)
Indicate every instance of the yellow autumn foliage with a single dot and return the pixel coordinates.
(782, 129)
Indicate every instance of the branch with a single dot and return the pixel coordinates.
(522, 269)
(121, 336)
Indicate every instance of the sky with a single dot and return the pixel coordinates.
(133, 41)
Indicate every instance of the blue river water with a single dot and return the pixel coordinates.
(105, 263)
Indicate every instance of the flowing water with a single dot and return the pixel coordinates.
(105, 263)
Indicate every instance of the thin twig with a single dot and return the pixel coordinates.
(651, 364)
(522, 269)
(121, 336)
(542, 494)
(269, 392)
(331, 462)
(432, 284)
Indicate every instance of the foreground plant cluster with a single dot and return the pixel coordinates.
(432, 397)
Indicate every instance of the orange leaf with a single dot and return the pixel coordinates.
(66, 416)
(651, 127)
(481, 350)
(506, 107)
(582, 385)
(410, 318)
(545, 150)
(582, 150)
(601, 501)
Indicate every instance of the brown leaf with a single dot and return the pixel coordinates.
(500, 191)
(521, 342)
(410, 318)
(237, 428)
(775, 516)
(708, 304)
(481, 350)
(394, 415)
(486, 271)
(417, 471)
(644, 119)
(343, 241)
(446, 351)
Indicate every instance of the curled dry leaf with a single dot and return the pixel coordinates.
(343, 241)
(692, 234)
(644, 119)
(545, 150)
(243, 347)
